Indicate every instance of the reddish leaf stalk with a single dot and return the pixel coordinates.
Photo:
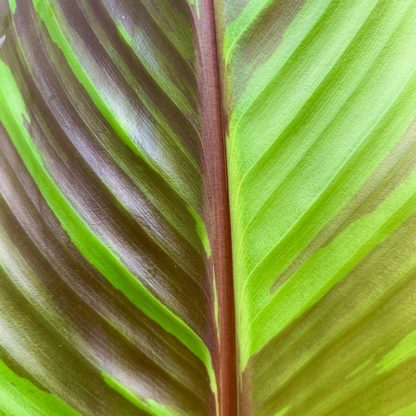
(217, 204)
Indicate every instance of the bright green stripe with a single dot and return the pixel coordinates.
(201, 231)
(283, 411)
(195, 4)
(406, 411)
(401, 352)
(12, 4)
(242, 23)
(19, 397)
(93, 249)
(216, 303)
(151, 407)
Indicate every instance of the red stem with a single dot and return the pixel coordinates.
(217, 203)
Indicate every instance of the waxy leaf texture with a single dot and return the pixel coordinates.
(208, 207)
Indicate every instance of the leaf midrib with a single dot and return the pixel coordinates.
(216, 200)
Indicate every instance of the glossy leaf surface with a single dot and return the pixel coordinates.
(118, 292)
(105, 295)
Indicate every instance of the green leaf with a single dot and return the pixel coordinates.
(207, 207)
(321, 149)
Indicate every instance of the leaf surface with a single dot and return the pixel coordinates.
(107, 294)
(321, 155)
(136, 278)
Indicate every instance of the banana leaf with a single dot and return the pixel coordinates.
(208, 207)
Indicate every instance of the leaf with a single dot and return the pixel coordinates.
(107, 292)
(323, 203)
(136, 278)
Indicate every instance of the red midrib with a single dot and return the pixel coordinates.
(217, 204)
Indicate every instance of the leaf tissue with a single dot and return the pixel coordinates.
(208, 207)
